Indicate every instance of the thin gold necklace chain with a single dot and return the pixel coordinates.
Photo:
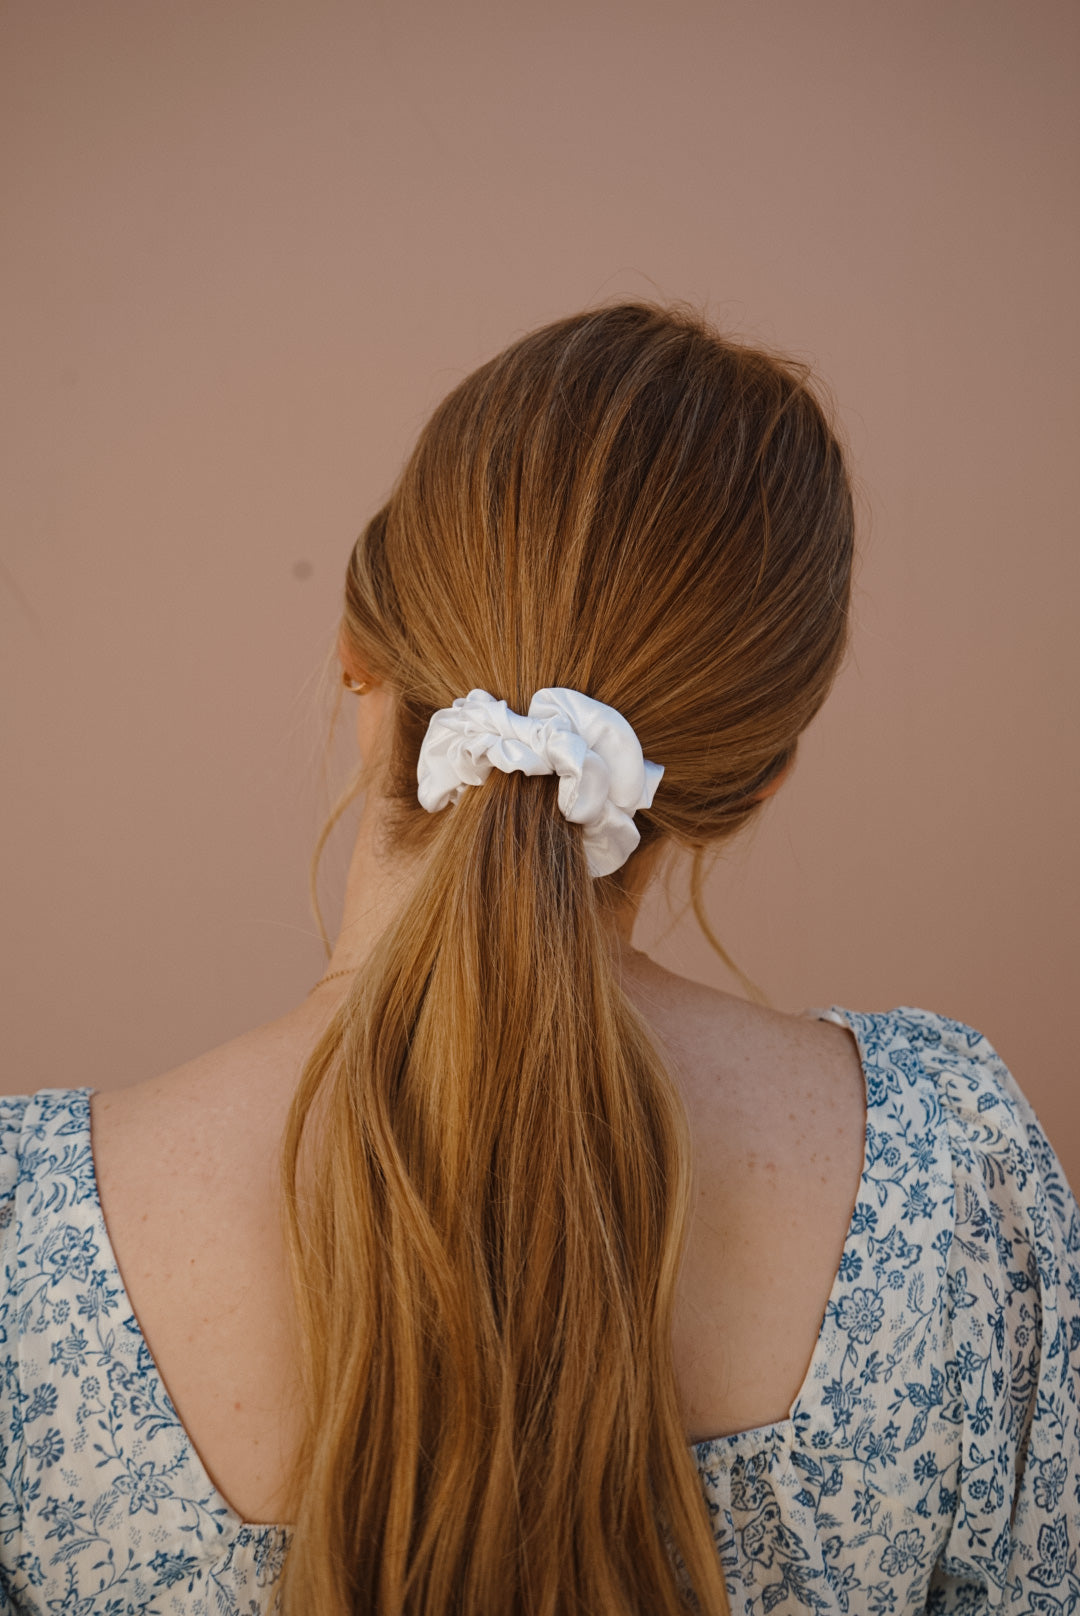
(349, 971)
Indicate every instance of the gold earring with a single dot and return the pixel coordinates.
(359, 687)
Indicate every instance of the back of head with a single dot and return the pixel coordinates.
(628, 504)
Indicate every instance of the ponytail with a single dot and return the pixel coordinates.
(504, 1175)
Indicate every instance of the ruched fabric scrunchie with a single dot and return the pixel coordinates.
(603, 776)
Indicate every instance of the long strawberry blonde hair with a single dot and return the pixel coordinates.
(486, 1248)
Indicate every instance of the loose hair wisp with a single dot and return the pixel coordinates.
(487, 1166)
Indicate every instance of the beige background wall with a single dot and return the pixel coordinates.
(247, 246)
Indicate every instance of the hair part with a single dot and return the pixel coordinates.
(486, 1242)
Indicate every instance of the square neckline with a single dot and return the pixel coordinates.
(772, 1434)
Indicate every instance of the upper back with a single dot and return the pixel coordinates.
(187, 1171)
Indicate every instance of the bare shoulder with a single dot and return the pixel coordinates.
(213, 1112)
(750, 1071)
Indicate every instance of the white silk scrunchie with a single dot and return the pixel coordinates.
(603, 776)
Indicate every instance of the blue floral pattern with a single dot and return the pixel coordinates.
(930, 1462)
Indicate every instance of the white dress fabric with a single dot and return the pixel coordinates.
(930, 1462)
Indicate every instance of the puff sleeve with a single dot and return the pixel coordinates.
(1014, 1317)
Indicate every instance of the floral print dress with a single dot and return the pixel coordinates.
(930, 1462)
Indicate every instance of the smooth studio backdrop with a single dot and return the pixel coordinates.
(248, 246)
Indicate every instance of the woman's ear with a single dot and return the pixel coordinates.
(774, 785)
(351, 669)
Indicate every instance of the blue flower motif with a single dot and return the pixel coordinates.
(64, 1515)
(850, 1265)
(860, 1313)
(842, 1398)
(100, 1298)
(968, 1362)
(881, 1445)
(69, 1351)
(918, 1202)
(865, 1504)
(959, 1295)
(981, 1420)
(48, 1449)
(69, 1252)
(1050, 1476)
(906, 1551)
(269, 1557)
(870, 1369)
(43, 1401)
(144, 1487)
(173, 1568)
(1053, 1554)
(895, 1250)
